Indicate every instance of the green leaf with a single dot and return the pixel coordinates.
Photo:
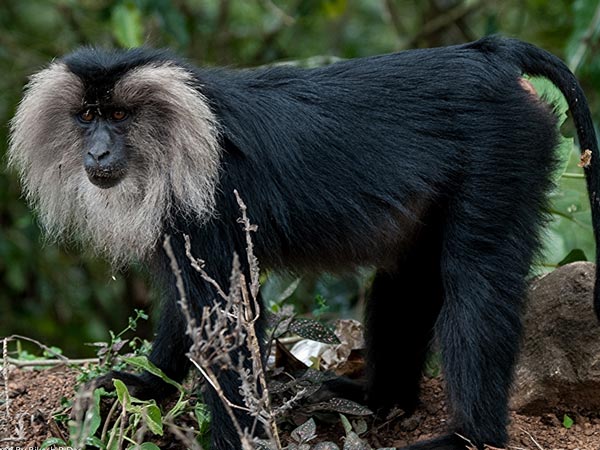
(574, 255)
(126, 21)
(305, 432)
(113, 440)
(178, 408)
(122, 393)
(96, 418)
(553, 96)
(52, 442)
(325, 446)
(433, 364)
(92, 419)
(360, 426)
(153, 418)
(314, 330)
(94, 442)
(289, 291)
(202, 414)
(567, 422)
(141, 362)
(346, 424)
(266, 445)
(322, 306)
(353, 442)
(342, 405)
(148, 446)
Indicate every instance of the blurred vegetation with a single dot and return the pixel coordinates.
(65, 297)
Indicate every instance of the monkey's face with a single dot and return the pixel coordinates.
(109, 148)
(104, 146)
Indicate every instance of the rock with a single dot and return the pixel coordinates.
(559, 366)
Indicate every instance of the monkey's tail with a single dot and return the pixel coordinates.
(535, 61)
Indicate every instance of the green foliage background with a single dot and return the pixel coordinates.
(64, 296)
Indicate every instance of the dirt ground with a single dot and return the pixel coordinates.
(36, 395)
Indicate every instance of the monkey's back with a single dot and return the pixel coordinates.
(368, 149)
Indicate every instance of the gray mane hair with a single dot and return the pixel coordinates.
(173, 162)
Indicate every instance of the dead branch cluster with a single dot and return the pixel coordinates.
(227, 329)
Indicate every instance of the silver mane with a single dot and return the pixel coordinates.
(173, 157)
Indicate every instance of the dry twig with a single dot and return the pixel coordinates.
(227, 328)
(5, 376)
(531, 437)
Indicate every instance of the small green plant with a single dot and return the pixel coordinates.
(567, 422)
(130, 422)
(352, 441)
(322, 306)
(433, 364)
(136, 418)
(109, 353)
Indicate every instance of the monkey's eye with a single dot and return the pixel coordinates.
(118, 114)
(86, 116)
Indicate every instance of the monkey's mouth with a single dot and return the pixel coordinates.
(105, 178)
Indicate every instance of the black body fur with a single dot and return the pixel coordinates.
(431, 165)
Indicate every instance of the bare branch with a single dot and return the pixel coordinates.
(5, 376)
(252, 260)
(188, 441)
(227, 328)
(49, 362)
(198, 265)
(40, 345)
(183, 301)
(211, 379)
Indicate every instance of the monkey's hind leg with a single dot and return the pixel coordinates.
(401, 312)
(486, 257)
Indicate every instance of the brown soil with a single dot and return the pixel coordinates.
(35, 396)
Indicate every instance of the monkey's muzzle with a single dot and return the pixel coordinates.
(105, 178)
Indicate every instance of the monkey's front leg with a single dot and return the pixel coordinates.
(169, 353)
(172, 345)
(217, 245)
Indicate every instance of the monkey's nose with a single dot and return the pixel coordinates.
(98, 154)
